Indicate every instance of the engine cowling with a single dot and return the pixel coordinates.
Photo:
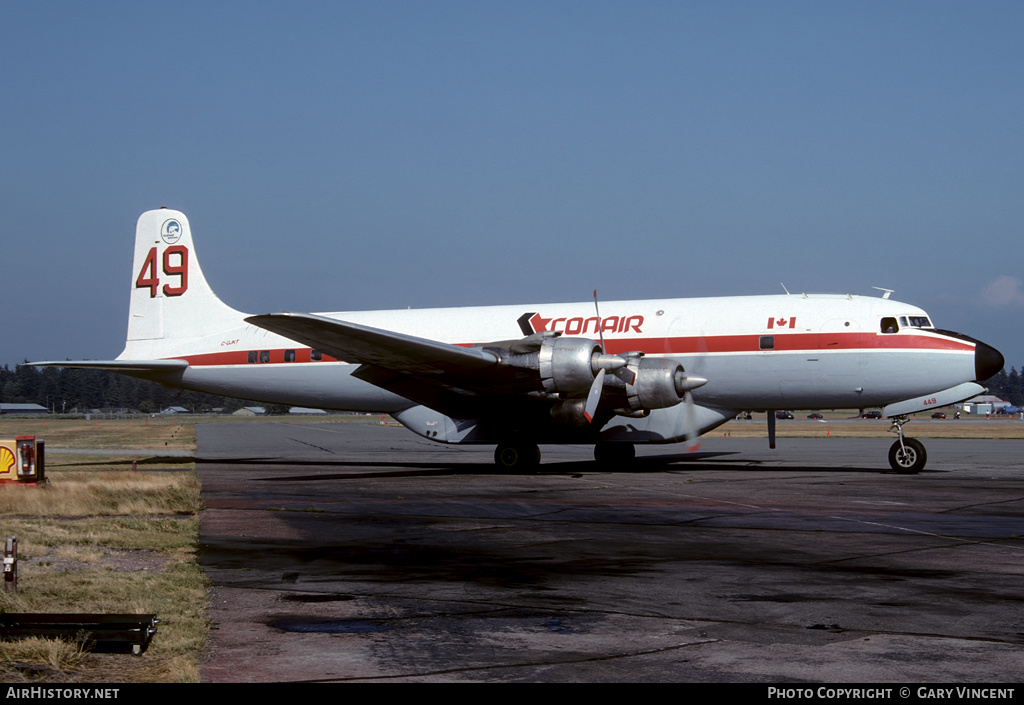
(568, 370)
(660, 383)
(566, 365)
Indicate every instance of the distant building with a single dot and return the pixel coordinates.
(250, 411)
(175, 410)
(23, 409)
(985, 404)
(300, 411)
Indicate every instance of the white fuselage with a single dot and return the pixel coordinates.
(740, 353)
(757, 352)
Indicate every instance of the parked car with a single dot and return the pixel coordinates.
(783, 414)
(815, 416)
(938, 415)
(872, 415)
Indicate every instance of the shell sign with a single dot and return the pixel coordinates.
(21, 460)
(6, 462)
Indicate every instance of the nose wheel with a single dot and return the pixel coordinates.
(907, 456)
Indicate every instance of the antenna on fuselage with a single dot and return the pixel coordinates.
(784, 288)
(887, 291)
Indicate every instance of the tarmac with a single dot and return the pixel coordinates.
(360, 552)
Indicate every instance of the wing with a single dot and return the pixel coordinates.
(449, 378)
(372, 346)
(541, 374)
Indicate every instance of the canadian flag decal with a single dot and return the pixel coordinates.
(782, 322)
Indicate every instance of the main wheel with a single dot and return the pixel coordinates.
(516, 456)
(908, 459)
(614, 456)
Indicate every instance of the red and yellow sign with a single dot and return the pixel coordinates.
(21, 460)
(6, 462)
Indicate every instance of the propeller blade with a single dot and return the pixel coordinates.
(692, 434)
(600, 327)
(594, 396)
(625, 374)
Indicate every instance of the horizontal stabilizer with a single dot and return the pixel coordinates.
(166, 372)
(356, 343)
(124, 366)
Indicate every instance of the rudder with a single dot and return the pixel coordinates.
(170, 297)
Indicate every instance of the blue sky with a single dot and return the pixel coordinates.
(352, 155)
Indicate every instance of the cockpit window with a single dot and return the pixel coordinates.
(920, 322)
(889, 325)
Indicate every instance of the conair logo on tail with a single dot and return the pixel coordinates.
(531, 323)
(170, 231)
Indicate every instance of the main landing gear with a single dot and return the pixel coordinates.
(523, 455)
(907, 455)
(614, 456)
(517, 455)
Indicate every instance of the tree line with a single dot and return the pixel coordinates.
(1008, 386)
(68, 390)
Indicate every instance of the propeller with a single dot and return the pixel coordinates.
(601, 363)
(626, 368)
(622, 371)
(594, 396)
(690, 415)
(691, 431)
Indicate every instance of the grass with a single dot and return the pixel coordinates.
(126, 434)
(101, 539)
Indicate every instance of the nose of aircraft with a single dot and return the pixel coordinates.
(987, 361)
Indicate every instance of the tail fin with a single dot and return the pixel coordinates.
(172, 306)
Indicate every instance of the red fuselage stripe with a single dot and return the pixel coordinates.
(784, 342)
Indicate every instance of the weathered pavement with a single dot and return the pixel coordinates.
(350, 551)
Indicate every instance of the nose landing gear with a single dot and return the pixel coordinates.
(907, 456)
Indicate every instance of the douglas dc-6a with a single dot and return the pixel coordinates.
(612, 375)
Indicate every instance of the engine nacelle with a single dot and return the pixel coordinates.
(570, 411)
(566, 364)
(660, 383)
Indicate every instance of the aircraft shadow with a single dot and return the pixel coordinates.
(676, 462)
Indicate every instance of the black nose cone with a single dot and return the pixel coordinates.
(987, 361)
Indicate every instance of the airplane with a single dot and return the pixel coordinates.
(613, 374)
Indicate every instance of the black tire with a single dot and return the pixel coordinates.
(908, 459)
(517, 456)
(614, 456)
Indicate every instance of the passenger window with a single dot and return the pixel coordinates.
(315, 356)
(251, 357)
(264, 356)
(767, 342)
(889, 325)
(289, 356)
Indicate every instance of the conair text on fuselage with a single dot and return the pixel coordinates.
(580, 325)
